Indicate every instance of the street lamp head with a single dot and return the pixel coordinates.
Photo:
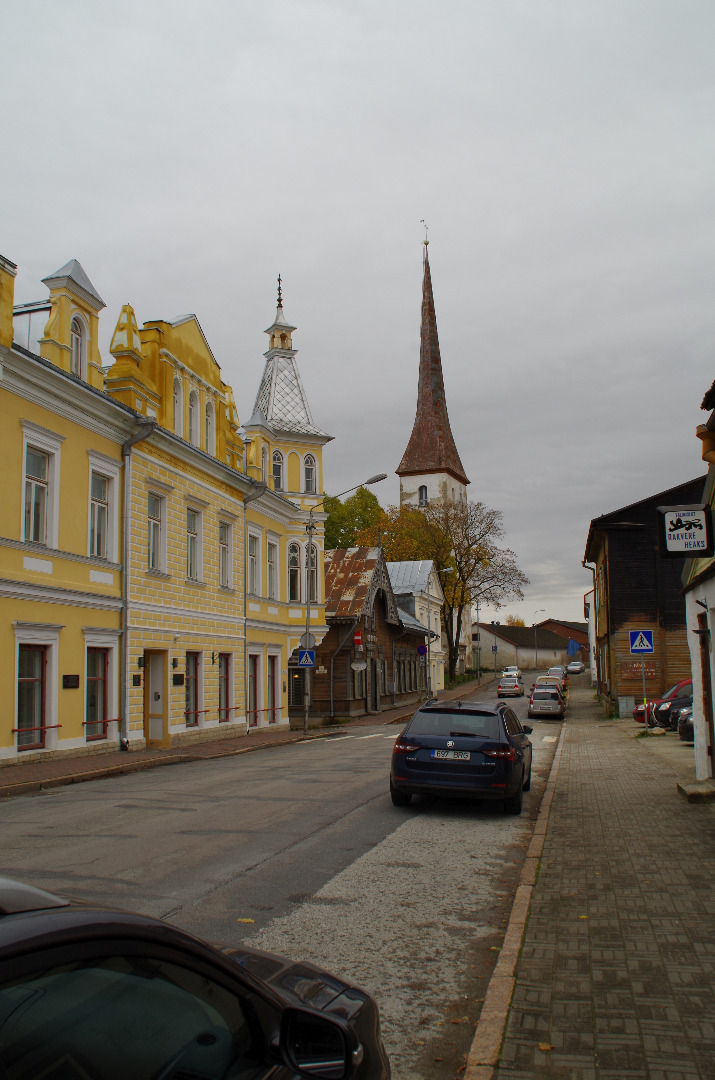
(377, 479)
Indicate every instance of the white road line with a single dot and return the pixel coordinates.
(549, 738)
(339, 738)
(395, 736)
(378, 736)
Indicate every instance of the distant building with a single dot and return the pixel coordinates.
(418, 591)
(518, 645)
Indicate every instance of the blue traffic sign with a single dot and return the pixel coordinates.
(495, 648)
(421, 650)
(306, 657)
(641, 641)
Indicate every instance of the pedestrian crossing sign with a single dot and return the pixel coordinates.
(306, 657)
(641, 641)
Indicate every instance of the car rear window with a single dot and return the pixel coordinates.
(481, 725)
(546, 695)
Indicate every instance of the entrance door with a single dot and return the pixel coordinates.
(272, 688)
(155, 719)
(373, 685)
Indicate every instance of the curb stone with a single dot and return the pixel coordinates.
(488, 1038)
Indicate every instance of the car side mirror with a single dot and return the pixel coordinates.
(317, 1045)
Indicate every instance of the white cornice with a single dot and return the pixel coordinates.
(184, 613)
(23, 590)
(57, 553)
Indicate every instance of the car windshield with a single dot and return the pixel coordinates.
(455, 722)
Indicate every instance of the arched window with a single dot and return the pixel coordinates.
(76, 343)
(309, 467)
(194, 418)
(294, 572)
(423, 495)
(210, 429)
(312, 553)
(277, 470)
(264, 465)
(178, 407)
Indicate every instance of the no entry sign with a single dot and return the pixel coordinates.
(357, 638)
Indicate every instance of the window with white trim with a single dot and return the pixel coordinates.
(423, 495)
(271, 569)
(178, 406)
(294, 572)
(225, 560)
(210, 428)
(312, 564)
(264, 465)
(193, 545)
(277, 470)
(309, 468)
(253, 567)
(194, 434)
(98, 515)
(155, 526)
(40, 484)
(76, 347)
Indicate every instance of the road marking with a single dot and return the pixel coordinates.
(549, 738)
(395, 736)
(378, 736)
(339, 738)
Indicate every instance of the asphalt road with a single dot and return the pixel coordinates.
(299, 850)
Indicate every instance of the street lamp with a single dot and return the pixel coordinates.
(311, 556)
(536, 647)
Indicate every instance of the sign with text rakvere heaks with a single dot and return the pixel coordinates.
(641, 642)
(685, 531)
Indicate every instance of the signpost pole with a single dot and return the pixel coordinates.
(645, 703)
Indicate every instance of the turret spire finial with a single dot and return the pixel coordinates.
(280, 293)
(426, 239)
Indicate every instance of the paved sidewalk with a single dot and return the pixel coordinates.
(25, 778)
(616, 978)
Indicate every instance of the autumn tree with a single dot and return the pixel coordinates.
(514, 620)
(462, 539)
(347, 519)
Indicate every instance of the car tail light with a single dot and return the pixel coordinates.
(508, 753)
(405, 748)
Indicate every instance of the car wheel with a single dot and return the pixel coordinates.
(527, 784)
(513, 805)
(400, 798)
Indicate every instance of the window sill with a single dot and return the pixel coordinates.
(195, 582)
(226, 589)
(158, 574)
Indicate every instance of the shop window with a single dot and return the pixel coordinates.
(31, 697)
(96, 695)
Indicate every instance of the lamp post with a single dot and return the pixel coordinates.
(536, 646)
(312, 555)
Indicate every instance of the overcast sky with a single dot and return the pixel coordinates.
(562, 154)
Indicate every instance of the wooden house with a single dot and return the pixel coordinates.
(637, 590)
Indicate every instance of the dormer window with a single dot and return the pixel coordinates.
(309, 473)
(277, 470)
(423, 495)
(76, 343)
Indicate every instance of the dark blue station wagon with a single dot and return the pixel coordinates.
(469, 750)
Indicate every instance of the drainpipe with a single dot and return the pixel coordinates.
(145, 429)
(332, 661)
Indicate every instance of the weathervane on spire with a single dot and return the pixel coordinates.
(280, 292)
(426, 239)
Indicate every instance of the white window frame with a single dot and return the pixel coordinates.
(194, 418)
(314, 489)
(199, 575)
(273, 575)
(163, 530)
(111, 470)
(254, 576)
(50, 443)
(46, 634)
(277, 457)
(178, 406)
(306, 571)
(230, 696)
(83, 335)
(291, 599)
(275, 651)
(210, 427)
(105, 639)
(228, 583)
(260, 679)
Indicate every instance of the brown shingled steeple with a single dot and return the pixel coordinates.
(431, 448)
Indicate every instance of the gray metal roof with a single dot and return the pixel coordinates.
(281, 397)
(73, 271)
(411, 623)
(410, 577)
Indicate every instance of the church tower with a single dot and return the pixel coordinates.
(430, 468)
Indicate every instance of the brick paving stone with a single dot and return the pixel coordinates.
(629, 989)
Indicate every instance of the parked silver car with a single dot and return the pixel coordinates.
(546, 702)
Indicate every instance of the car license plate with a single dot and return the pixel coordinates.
(451, 755)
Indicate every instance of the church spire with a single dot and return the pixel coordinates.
(431, 452)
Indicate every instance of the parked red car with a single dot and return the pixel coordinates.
(683, 689)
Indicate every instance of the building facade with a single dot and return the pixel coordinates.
(418, 592)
